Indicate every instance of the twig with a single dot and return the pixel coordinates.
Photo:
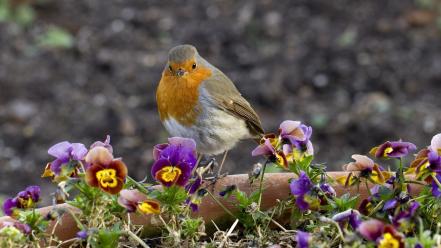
(137, 239)
(228, 233)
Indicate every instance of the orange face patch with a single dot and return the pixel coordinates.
(177, 97)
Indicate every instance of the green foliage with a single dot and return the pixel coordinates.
(22, 14)
(171, 197)
(342, 203)
(106, 238)
(56, 37)
(35, 220)
(192, 228)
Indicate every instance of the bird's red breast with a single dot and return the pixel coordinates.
(177, 97)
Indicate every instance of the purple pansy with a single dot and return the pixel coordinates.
(434, 161)
(371, 229)
(350, 216)
(299, 188)
(195, 199)
(129, 199)
(174, 161)
(24, 199)
(328, 190)
(297, 134)
(393, 149)
(406, 215)
(266, 147)
(24, 228)
(64, 152)
(435, 143)
(105, 144)
(390, 204)
(302, 239)
(82, 234)
(377, 231)
(194, 186)
(436, 191)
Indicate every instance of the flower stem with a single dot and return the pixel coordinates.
(378, 206)
(137, 185)
(220, 204)
(436, 181)
(261, 185)
(401, 174)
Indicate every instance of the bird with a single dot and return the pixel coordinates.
(197, 100)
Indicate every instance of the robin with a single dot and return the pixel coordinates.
(196, 100)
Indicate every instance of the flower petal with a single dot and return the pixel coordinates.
(371, 229)
(60, 150)
(435, 143)
(79, 151)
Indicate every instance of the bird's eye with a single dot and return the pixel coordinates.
(194, 66)
(170, 68)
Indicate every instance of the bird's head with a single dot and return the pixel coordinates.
(182, 60)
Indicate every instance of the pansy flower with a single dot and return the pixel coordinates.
(267, 147)
(393, 149)
(403, 219)
(308, 195)
(427, 163)
(303, 239)
(105, 144)
(23, 228)
(133, 201)
(363, 167)
(384, 235)
(300, 187)
(196, 199)
(25, 199)
(174, 161)
(83, 234)
(297, 134)
(105, 172)
(64, 153)
(350, 216)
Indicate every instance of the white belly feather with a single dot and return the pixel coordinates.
(215, 132)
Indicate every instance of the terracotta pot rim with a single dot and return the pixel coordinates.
(276, 187)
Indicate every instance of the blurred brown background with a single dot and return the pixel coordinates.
(359, 72)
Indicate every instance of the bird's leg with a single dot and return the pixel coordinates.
(222, 164)
(198, 161)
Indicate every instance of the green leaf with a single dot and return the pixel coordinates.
(56, 37)
(24, 14)
(106, 238)
(5, 11)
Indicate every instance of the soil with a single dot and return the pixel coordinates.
(359, 72)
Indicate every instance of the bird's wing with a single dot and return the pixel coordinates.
(228, 98)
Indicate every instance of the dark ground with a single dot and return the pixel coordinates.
(359, 72)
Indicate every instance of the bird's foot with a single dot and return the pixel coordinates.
(212, 180)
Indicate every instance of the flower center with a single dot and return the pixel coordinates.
(25, 202)
(389, 241)
(149, 207)
(107, 178)
(169, 174)
(387, 151)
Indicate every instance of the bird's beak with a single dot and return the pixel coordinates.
(180, 72)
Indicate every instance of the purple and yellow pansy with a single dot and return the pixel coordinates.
(104, 171)
(174, 161)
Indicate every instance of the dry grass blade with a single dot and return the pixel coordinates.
(228, 233)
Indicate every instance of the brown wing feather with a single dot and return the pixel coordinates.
(229, 98)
